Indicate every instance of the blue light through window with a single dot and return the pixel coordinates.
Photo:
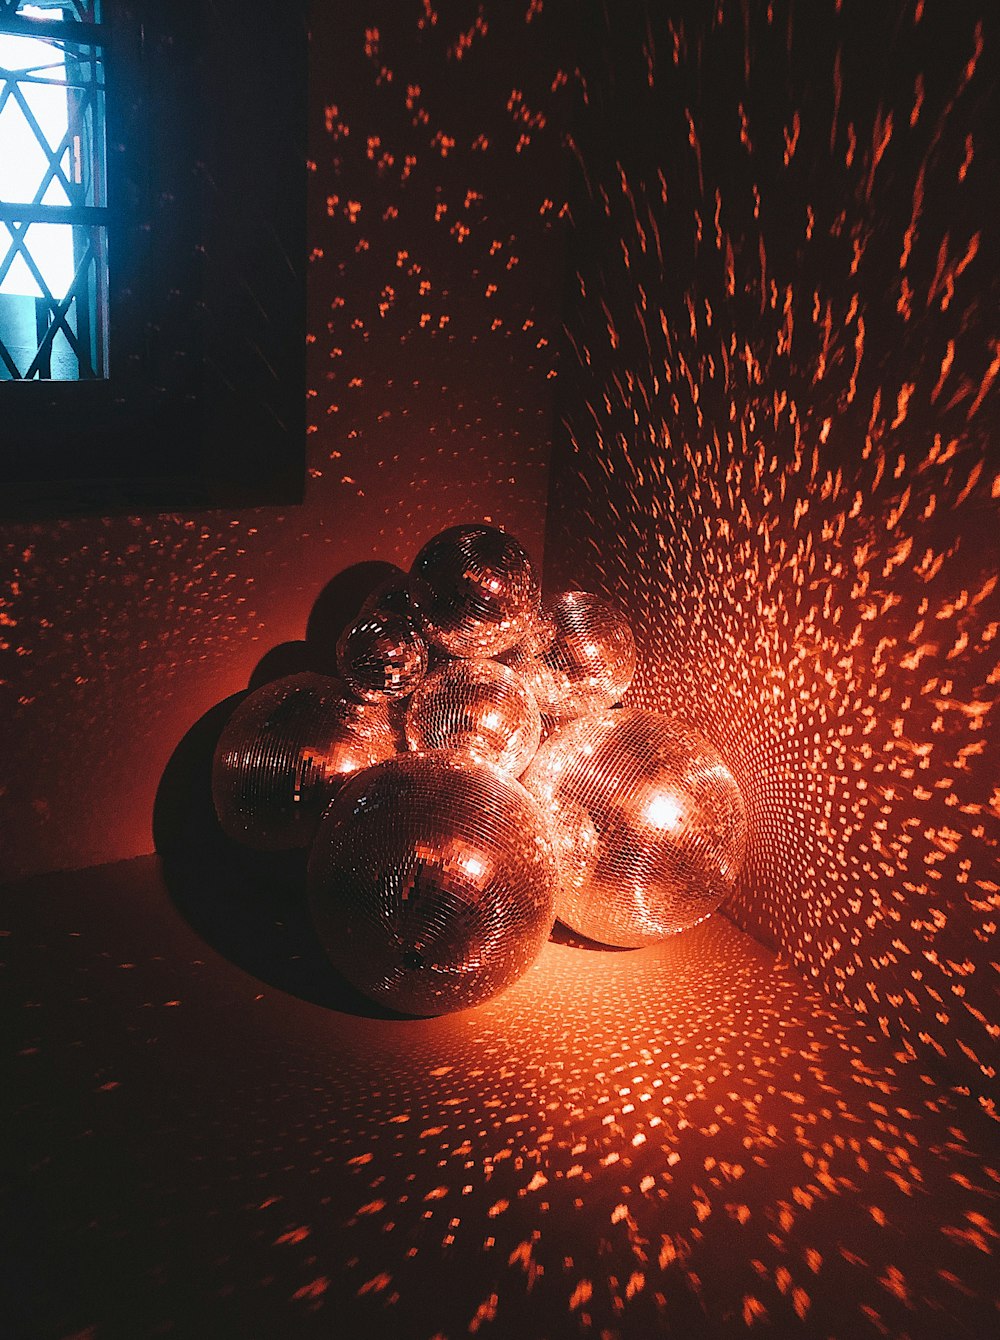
(53, 202)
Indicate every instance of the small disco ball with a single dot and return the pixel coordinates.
(391, 596)
(285, 751)
(432, 882)
(382, 656)
(479, 707)
(648, 822)
(579, 658)
(475, 591)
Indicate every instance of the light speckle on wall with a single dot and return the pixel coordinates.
(434, 281)
(779, 402)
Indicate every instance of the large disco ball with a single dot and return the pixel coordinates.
(479, 707)
(432, 882)
(382, 656)
(648, 822)
(579, 658)
(475, 591)
(285, 751)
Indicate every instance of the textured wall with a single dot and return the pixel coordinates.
(778, 400)
(434, 277)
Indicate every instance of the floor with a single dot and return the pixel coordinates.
(214, 1137)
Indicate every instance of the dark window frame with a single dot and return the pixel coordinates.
(204, 404)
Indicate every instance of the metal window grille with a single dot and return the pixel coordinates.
(53, 191)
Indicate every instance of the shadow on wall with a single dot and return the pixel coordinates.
(250, 905)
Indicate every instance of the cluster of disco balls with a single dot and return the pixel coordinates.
(469, 776)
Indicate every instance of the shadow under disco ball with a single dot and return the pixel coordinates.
(432, 882)
(475, 591)
(479, 707)
(286, 750)
(579, 658)
(648, 821)
(382, 656)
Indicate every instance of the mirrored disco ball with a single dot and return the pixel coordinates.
(432, 882)
(475, 591)
(382, 656)
(479, 707)
(648, 821)
(391, 597)
(579, 658)
(286, 750)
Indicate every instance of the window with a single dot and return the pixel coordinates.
(53, 192)
(152, 254)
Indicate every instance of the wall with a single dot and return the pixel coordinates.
(777, 400)
(435, 270)
(777, 409)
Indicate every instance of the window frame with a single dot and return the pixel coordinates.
(204, 402)
(88, 338)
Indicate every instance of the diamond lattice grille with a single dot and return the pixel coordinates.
(53, 208)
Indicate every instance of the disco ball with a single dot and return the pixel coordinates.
(285, 751)
(579, 658)
(432, 882)
(382, 656)
(479, 707)
(391, 596)
(648, 822)
(475, 591)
